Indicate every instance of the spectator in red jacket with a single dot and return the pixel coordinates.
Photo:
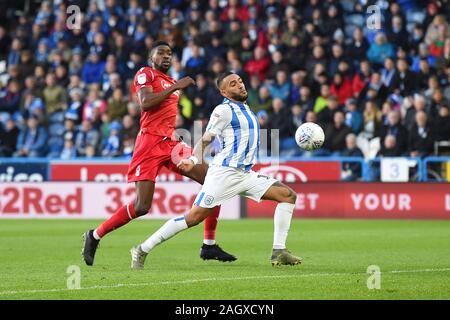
(233, 11)
(361, 78)
(341, 88)
(259, 64)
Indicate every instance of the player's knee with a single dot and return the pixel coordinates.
(141, 208)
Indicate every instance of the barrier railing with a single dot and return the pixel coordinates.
(432, 172)
(436, 169)
(415, 174)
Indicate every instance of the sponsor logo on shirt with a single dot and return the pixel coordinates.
(165, 84)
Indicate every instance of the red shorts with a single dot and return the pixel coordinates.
(151, 152)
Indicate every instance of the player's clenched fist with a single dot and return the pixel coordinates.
(184, 83)
(185, 165)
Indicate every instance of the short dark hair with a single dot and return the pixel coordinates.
(158, 43)
(221, 77)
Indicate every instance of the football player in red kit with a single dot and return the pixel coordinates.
(157, 95)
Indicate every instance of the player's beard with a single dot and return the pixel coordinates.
(164, 69)
(239, 97)
(161, 67)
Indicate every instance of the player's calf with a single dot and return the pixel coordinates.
(144, 197)
(141, 207)
(197, 215)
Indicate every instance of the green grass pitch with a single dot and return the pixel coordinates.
(413, 257)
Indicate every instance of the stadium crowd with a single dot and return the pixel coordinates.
(376, 89)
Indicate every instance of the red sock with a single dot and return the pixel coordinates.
(209, 231)
(118, 219)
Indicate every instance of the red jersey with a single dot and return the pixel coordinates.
(161, 119)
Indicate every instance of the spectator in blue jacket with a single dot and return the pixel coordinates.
(14, 54)
(112, 146)
(281, 89)
(353, 118)
(43, 51)
(88, 135)
(93, 69)
(380, 50)
(32, 141)
(69, 151)
(196, 63)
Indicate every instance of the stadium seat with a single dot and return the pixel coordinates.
(56, 145)
(56, 129)
(354, 19)
(349, 29)
(410, 26)
(415, 16)
(441, 148)
(56, 117)
(348, 5)
(407, 5)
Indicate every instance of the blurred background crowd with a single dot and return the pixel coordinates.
(377, 89)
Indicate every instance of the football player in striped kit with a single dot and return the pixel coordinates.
(230, 174)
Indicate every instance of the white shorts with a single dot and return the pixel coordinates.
(223, 183)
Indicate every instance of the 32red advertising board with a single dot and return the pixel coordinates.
(88, 200)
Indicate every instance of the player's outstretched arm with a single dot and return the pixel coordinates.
(186, 165)
(149, 100)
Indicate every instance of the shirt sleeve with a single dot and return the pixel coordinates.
(143, 79)
(220, 119)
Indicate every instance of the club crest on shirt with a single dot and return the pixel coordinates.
(142, 78)
(209, 200)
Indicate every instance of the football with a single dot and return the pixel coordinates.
(309, 136)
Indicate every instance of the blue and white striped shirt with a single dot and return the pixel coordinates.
(237, 129)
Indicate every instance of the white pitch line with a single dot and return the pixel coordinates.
(146, 284)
